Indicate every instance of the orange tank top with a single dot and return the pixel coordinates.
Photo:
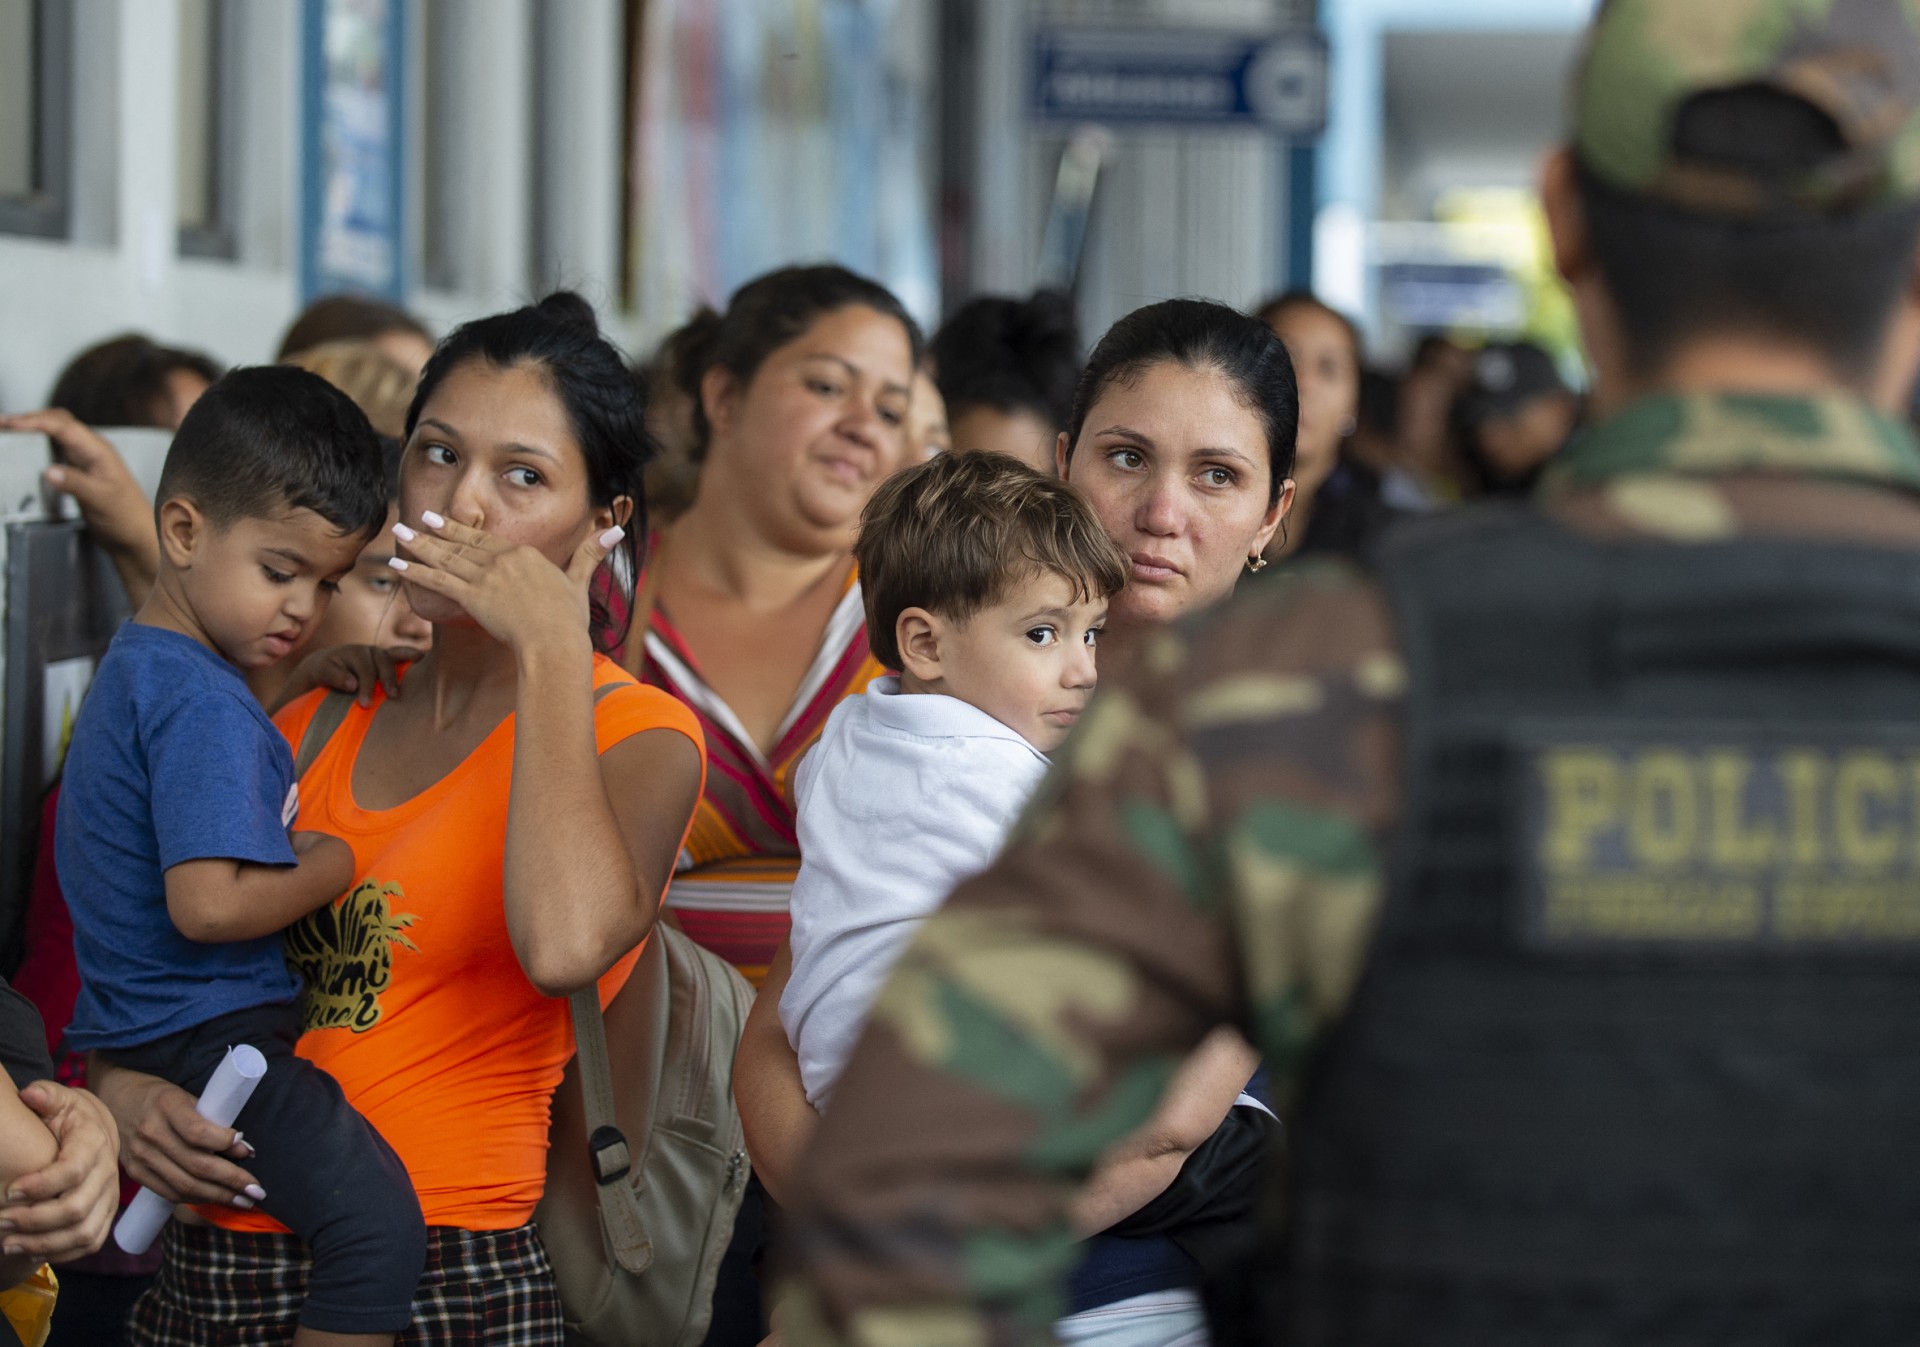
(414, 998)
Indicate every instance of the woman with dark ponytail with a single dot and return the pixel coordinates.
(1181, 437)
(515, 802)
(673, 474)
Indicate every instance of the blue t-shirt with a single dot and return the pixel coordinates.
(172, 760)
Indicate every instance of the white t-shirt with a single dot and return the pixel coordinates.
(905, 796)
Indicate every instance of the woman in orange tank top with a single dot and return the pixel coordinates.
(515, 803)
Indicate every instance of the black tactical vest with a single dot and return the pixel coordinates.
(1636, 1058)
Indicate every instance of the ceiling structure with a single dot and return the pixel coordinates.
(1468, 109)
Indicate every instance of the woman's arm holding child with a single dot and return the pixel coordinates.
(767, 1088)
(168, 1146)
(1139, 1167)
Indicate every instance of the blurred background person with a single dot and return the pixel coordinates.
(1375, 443)
(1429, 452)
(1337, 505)
(928, 432)
(1514, 416)
(379, 385)
(1007, 370)
(400, 336)
(132, 380)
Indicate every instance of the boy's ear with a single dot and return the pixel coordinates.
(917, 632)
(182, 529)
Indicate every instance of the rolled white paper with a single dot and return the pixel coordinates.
(226, 1094)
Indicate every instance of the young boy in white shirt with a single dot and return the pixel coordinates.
(986, 586)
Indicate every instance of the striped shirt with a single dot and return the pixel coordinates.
(735, 877)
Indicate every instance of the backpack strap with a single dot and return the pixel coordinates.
(326, 721)
(607, 1149)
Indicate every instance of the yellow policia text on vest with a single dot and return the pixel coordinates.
(1781, 844)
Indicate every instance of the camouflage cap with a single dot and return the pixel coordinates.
(1858, 61)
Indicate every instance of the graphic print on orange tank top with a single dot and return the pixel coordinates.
(344, 955)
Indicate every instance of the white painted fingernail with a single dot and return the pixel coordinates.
(243, 1204)
(432, 520)
(256, 1192)
(403, 533)
(398, 563)
(611, 538)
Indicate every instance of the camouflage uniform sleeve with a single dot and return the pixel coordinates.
(1205, 850)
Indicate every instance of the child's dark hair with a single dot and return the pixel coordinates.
(605, 407)
(765, 314)
(266, 439)
(1203, 336)
(1013, 355)
(954, 534)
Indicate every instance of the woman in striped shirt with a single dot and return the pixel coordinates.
(749, 609)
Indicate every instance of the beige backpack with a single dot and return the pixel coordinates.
(637, 1219)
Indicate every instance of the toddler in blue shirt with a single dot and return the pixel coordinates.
(172, 838)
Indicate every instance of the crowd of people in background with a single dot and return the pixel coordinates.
(1209, 446)
(1017, 773)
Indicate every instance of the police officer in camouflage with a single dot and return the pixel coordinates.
(1567, 871)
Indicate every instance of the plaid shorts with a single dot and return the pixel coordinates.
(217, 1288)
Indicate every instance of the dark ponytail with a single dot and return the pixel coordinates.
(1203, 336)
(605, 407)
(765, 314)
(681, 362)
(1013, 355)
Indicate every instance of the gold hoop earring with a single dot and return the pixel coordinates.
(1255, 565)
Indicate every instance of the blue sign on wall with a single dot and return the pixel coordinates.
(352, 139)
(1192, 77)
